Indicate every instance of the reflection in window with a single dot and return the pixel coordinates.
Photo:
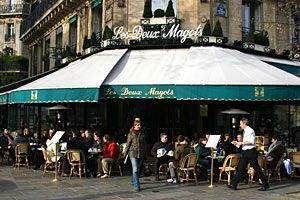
(252, 14)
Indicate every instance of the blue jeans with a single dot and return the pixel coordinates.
(135, 163)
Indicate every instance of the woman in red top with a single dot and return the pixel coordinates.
(111, 152)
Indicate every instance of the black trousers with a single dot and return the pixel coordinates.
(160, 161)
(246, 157)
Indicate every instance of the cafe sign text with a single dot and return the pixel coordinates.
(174, 32)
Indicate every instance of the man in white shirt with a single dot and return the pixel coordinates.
(249, 154)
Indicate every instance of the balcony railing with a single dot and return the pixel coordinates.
(37, 13)
(15, 8)
(10, 38)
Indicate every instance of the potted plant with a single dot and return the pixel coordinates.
(205, 33)
(258, 41)
(170, 14)
(249, 43)
(147, 14)
(218, 33)
(86, 45)
(147, 9)
(107, 38)
(170, 10)
(67, 54)
(94, 42)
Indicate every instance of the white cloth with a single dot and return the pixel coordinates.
(249, 136)
(288, 166)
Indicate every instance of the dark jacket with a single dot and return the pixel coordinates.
(136, 146)
(181, 151)
(273, 156)
(4, 141)
(202, 151)
(19, 139)
(77, 143)
(159, 145)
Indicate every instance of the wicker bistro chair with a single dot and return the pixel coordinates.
(276, 170)
(49, 165)
(187, 165)
(230, 164)
(251, 171)
(76, 159)
(295, 159)
(116, 167)
(22, 152)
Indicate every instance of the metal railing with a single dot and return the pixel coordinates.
(10, 37)
(15, 8)
(36, 14)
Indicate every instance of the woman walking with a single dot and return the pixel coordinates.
(136, 150)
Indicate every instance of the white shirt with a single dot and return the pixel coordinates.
(249, 136)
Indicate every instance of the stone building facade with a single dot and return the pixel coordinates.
(53, 25)
(11, 14)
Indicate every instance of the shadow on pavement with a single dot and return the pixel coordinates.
(7, 185)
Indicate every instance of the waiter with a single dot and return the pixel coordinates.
(249, 155)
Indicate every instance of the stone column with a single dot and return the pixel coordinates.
(53, 49)
(89, 21)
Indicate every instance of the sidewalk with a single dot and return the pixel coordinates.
(29, 184)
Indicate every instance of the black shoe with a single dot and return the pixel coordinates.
(231, 187)
(264, 188)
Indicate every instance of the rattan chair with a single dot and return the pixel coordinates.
(251, 171)
(77, 160)
(295, 159)
(22, 153)
(188, 165)
(230, 165)
(276, 170)
(49, 165)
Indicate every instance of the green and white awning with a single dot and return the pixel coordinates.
(197, 73)
(290, 66)
(200, 73)
(3, 99)
(78, 82)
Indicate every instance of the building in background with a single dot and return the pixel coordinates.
(12, 12)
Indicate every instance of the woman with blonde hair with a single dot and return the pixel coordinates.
(136, 149)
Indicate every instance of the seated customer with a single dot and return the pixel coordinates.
(111, 152)
(162, 151)
(204, 158)
(76, 143)
(228, 147)
(182, 148)
(203, 152)
(275, 152)
(5, 142)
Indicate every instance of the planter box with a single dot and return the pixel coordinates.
(210, 39)
(64, 60)
(90, 50)
(87, 51)
(67, 59)
(160, 20)
(109, 42)
(248, 45)
(256, 47)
